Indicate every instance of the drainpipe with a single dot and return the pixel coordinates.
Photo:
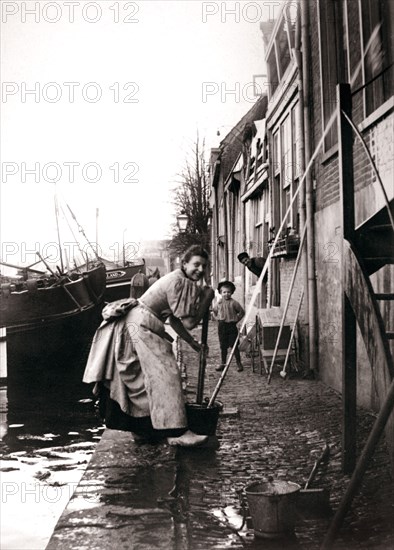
(216, 233)
(214, 240)
(245, 173)
(312, 302)
(226, 229)
(301, 196)
(241, 244)
(248, 155)
(215, 221)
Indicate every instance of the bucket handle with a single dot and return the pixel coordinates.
(243, 502)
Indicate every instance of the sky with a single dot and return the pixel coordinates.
(106, 98)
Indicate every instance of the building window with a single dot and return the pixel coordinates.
(282, 48)
(286, 168)
(328, 68)
(296, 162)
(276, 194)
(266, 218)
(345, 40)
(258, 226)
(276, 155)
(272, 73)
(295, 133)
(376, 52)
(356, 45)
(278, 56)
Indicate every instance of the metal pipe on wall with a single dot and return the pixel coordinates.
(312, 298)
(301, 202)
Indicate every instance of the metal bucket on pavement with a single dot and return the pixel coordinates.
(201, 419)
(272, 507)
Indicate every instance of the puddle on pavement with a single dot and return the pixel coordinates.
(49, 430)
(166, 496)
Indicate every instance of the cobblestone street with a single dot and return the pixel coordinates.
(278, 431)
(265, 430)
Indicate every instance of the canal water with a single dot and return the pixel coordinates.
(49, 429)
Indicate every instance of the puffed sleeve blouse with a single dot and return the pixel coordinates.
(174, 294)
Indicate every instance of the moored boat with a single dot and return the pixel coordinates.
(118, 277)
(49, 314)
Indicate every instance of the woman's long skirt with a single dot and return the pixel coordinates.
(136, 363)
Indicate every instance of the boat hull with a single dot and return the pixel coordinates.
(118, 281)
(57, 338)
(50, 320)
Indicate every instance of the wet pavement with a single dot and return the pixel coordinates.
(49, 430)
(140, 496)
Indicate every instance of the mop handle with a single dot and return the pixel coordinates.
(203, 358)
(223, 376)
(322, 458)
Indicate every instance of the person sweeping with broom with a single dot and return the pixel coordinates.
(131, 358)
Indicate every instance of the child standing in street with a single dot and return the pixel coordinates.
(228, 312)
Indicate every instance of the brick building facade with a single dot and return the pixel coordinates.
(309, 49)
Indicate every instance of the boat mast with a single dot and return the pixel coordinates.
(97, 241)
(123, 249)
(58, 230)
(81, 230)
